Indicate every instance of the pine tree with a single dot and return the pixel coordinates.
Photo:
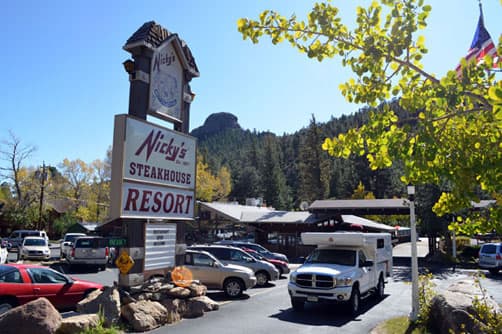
(313, 165)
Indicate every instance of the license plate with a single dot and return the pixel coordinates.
(312, 299)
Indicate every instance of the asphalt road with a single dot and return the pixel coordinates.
(268, 310)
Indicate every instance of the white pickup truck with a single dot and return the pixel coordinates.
(345, 267)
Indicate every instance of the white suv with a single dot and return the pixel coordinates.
(490, 257)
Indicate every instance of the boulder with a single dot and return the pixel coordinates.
(176, 308)
(196, 306)
(177, 292)
(144, 315)
(208, 303)
(107, 302)
(197, 289)
(38, 316)
(78, 323)
(452, 310)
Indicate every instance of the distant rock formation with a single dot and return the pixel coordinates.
(216, 123)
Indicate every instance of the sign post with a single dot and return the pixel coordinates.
(153, 167)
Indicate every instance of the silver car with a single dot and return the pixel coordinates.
(263, 270)
(89, 251)
(232, 279)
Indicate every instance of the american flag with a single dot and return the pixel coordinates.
(481, 46)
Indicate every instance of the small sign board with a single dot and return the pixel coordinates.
(117, 242)
(160, 246)
(124, 262)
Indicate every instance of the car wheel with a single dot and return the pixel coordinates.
(297, 304)
(354, 301)
(281, 271)
(6, 305)
(380, 288)
(493, 271)
(261, 278)
(233, 288)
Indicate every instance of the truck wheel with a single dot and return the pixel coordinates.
(354, 301)
(297, 304)
(493, 271)
(380, 288)
(233, 288)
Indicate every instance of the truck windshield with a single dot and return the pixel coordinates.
(333, 256)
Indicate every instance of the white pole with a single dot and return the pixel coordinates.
(414, 263)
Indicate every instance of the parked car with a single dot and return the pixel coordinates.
(34, 248)
(22, 283)
(3, 252)
(281, 266)
(490, 257)
(263, 270)
(16, 237)
(256, 247)
(66, 243)
(89, 251)
(232, 279)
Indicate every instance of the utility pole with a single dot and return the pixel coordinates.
(42, 176)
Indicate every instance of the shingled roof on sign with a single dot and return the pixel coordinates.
(152, 35)
(149, 33)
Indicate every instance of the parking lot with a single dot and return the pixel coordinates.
(266, 309)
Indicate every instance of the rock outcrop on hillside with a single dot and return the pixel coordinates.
(216, 123)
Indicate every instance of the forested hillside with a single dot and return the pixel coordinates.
(287, 170)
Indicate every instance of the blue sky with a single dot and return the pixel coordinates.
(63, 79)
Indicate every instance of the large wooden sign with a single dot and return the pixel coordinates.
(153, 172)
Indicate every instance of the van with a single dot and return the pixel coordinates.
(16, 237)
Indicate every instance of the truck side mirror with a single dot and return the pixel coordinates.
(367, 263)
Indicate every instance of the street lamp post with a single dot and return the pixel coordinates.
(414, 262)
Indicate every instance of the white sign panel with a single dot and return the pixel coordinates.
(160, 246)
(154, 154)
(149, 201)
(166, 82)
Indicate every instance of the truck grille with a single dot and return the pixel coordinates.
(315, 281)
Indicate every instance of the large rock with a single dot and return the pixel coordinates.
(196, 306)
(452, 310)
(176, 308)
(177, 292)
(107, 302)
(197, 289)
(78, 323)
(145, 315)
(38, 316)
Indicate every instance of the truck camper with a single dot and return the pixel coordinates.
(345, 267)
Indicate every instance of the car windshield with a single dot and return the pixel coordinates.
(333, 256)
(34, 242)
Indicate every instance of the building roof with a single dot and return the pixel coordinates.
(232, 211)
(351, 219)
(289, 217)
(259, 215)
(361, 206)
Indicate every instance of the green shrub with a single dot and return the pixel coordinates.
(425, 294)
(491, 321)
